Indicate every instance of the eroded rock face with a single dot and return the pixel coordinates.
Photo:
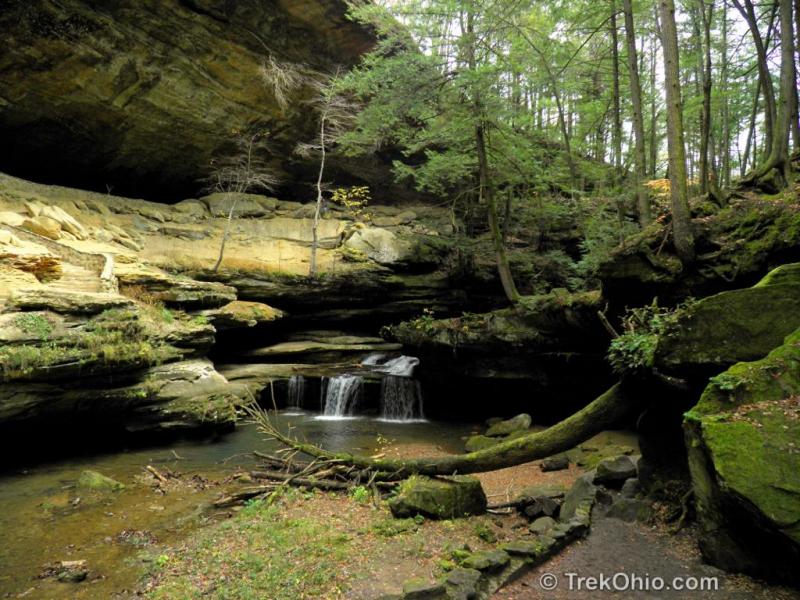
(743, 439)
(140, 95)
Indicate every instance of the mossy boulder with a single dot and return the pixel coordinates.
(519, 423)
(440, 498)
(729, 327)
(92, 480)
(743, 440)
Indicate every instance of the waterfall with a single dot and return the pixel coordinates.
(341, 395)
(374, 359)
(296, 395)
(402, 366)
(401, 399)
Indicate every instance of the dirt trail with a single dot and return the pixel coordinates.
(635, 549)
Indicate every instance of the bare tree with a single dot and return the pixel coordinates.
(336, 114)
(244, 170)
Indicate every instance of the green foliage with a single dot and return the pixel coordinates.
(485, 533)
(34, 324)
(391, 527)
(426, 322)
(633, 351)
(113, 337)
(360, 494)
(603, 231)
(260, 553)
(353, 199)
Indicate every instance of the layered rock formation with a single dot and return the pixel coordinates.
(112, 315)
(141, 95)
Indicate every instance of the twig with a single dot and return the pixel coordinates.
(156, 474)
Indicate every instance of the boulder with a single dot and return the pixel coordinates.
(630, 510)
(407, 217)
(92, 480)
(392, 250)
(743, 440)
(462, 584)
(631, 487)
(488, 560)
(559, 462)
(195, 209)
(242, 314)
(542, 525)
(542, 506)
(11, 218)
(740, 325)
(519, 423)
(614, 471)
(67, 221)
(441, 498)
(244, 205)
(480, 442)
(44, 226)
(583, 492)
(422, 589)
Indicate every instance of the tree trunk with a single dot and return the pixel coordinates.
(778, 157)
(679, 195)
(603, 413)
(642, 199)
(312, 269)
(653, 114)
(485, 190)
(705, 117)
(225, 234)
(726, 120)
(750, 142)
(765, 80)
(616, 112)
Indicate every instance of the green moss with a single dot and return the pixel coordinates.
(734, 326)
(756, 460)
(744, 445)
(34, 324)
(114, 337)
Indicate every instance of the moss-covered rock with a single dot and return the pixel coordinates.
(521, 422)
(92, 480)
(440, 498)
(555, 320)
(743, 439)
(740, 325)
(736, 245)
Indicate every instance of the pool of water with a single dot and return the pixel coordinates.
(45, 518)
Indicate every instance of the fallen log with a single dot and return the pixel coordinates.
(602, 413)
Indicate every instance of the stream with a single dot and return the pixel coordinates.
(46, 518)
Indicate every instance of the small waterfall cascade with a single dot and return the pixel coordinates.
(296, 395)
(341, 395)
(401, 394)
(401, 399)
